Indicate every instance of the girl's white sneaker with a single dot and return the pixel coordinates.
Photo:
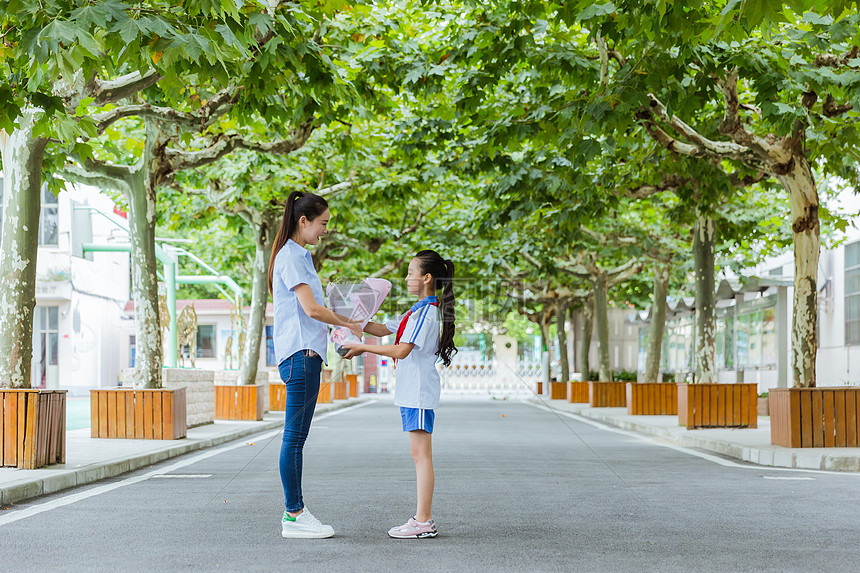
(413, 529)
(304, 526)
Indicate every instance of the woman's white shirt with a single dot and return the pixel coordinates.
(417, 382)
(294, 330)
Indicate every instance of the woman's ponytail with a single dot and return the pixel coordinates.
(299, 204)
(442, 271)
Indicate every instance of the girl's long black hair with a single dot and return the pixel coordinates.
(431, 262)
(298, 205)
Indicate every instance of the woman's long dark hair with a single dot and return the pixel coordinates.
(298, 205)
(442, 270)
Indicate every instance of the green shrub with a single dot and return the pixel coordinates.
(624, 376)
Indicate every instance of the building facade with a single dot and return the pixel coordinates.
(754, 326)
(79, 299)
(217, 336)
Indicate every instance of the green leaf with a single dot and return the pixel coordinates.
(81, 110)
(127, 30)
(90, 16)
(262, 22)
(813, 18)
(83, 150)
(60, 31)
(596, 10)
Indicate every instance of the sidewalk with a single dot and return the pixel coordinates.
(92, 459)
(748, 444)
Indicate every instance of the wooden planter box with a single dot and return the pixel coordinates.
(340, 390)
(239, 402)
(277, 396)
(652, 399)
(325, 388)
(139, 414)
(607, 394)
(815, 417)
(762, 406)
(32, 427)
(558, 390)
(352, 381)
(577, 393)
(717, 405)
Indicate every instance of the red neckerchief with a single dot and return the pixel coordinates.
(420, 304)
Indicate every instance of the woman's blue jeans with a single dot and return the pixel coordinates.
(301, 374)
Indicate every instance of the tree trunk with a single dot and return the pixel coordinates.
(585, 343)
(544, 335)
(704, 247)
(803, 198)
(22, 156)
(658, 323)
(264, 235)
(142, 218)
(560, 321)
(601, 315)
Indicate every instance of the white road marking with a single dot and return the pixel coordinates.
(790, 478)
(184, 476)
(663, 444)
(13, 516)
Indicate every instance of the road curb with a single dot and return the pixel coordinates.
(31, 487)
(772, 456)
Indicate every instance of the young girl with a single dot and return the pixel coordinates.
(417, 346)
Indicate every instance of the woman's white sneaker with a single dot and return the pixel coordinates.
(304, 526)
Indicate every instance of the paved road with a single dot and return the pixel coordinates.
(518, 488)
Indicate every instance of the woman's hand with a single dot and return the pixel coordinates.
(354, 349)
(355, 327)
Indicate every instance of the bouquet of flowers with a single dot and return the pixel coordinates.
(356, 301)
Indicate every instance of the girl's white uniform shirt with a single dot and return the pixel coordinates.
(417, 380)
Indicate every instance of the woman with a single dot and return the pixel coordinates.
(300, 345)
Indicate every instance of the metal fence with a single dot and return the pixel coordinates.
(491, 378)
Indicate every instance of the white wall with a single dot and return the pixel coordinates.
(90, 296)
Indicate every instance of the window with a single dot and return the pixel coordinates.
(45, 346)
(644, 337)
(852, 293)
(756, 335)
(48, 220)
(768, 337)
(206, 341)
(743, 340)
(730, 342)
(678, 344)
(720, 343)
(270, 346)
(755, 339)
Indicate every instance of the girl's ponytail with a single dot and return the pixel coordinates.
(442, 271)
(446, 342)
(298, 205)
